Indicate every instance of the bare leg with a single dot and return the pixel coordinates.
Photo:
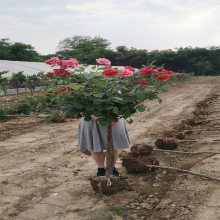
(99, 158)
(116, 154)
(115, 171)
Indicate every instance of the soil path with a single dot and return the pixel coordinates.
(43, 176)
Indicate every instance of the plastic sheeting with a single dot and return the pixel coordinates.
(29, 68)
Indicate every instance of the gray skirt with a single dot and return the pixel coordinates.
(93, 137)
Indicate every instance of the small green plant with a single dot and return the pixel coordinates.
(26, 106)
(118, 210)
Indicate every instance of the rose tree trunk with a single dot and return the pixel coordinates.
(110, 152)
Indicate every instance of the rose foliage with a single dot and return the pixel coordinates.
(107, 92)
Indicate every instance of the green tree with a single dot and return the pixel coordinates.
(5, 49)
(32, 82)
(23, 52)
(18, 79)
(18, 51)
(85, 48)
(203, 67)
(4, 82)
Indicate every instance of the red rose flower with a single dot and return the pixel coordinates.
(143, 82)
(159, 69)
(49, 74)
(61, 72)
(62, 64)
(163, 70)
(69, 89)
(146, 71)
(111, 72)
(167, 72)
(162, 77)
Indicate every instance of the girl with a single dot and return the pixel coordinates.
(93, 137)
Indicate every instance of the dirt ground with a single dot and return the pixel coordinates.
(44, 177)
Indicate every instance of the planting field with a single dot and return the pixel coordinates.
(44, 177)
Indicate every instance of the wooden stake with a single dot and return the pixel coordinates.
(185, 171)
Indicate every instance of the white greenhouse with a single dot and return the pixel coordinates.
(29, 68)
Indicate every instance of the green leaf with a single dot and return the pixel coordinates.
(141, 108)
(98, 95)
(117, 99)
(93, 67)
(76, 88)
(102, 84)
(108, 107)
(140, 95)
(115, 110)
(104, 123)
(97, 102)
(60, 82)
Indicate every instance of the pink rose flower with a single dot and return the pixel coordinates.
(126, 73)
(103, 61)
(130, 68)
(53, 61)
(72, 63)
(62, 64)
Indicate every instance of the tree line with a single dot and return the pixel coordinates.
(199, 61)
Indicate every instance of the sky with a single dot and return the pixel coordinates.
(142, 24)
